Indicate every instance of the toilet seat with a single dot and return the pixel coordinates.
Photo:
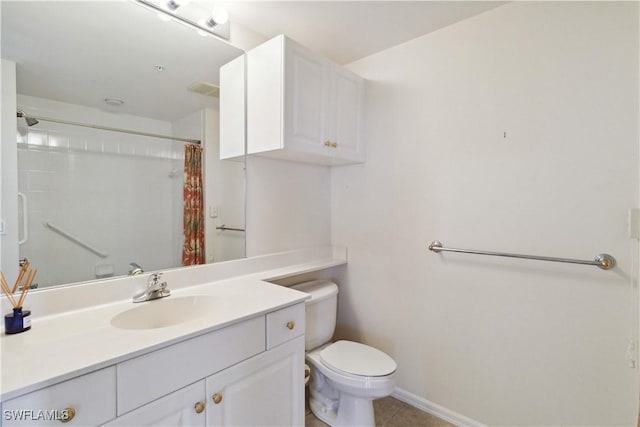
(352, 358)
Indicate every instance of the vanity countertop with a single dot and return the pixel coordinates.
(68, 344)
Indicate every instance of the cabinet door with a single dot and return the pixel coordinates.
(346, 106)
(266, 390)
(232, 106)
(306, 100)
(86, 400)
(185, 407)
(265, 97)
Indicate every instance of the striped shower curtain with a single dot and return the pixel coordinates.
(193, 220)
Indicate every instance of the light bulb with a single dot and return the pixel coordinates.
(173, 5)
(219, 15)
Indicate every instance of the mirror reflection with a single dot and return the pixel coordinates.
(93, 201)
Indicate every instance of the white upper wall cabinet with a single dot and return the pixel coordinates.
(232, 109)
(301, 106)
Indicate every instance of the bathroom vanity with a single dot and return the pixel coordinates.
(237, 359)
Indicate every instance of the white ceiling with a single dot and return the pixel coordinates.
(84, 51)
(348, 30)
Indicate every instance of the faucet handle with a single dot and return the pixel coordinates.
(135, 269)
(154, 278)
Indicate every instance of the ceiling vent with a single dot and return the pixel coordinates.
(205, 88)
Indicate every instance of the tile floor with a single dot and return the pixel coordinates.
(390, 412)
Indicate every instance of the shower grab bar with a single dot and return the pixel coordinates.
(76, 240)
(111, 129)
(604, 261)
(225, 228)
(25, 217)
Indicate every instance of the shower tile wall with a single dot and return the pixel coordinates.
(114, 191)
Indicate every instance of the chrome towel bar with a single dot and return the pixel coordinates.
(225, 228)
(604, 261)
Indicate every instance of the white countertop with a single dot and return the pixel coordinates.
(71, 343)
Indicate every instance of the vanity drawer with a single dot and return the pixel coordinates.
(155, 374)
(285, 324)
(92, 398)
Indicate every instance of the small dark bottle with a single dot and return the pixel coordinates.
(18, 321)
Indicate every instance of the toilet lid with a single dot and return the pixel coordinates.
(357, 359)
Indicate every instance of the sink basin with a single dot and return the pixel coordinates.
(164, 312)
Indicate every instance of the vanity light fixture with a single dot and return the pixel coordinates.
(168, 10)
(218, 16)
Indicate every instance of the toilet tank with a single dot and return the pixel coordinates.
(321, 311)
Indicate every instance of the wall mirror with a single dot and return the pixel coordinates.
(94, 203)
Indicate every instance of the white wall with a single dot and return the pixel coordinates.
(244, 38)
(288, 205)
(225, 197)
(502, 341)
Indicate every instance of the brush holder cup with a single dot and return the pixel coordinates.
(17, 321)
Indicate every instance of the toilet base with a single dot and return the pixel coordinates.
(350, 411)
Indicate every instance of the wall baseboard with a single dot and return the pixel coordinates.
(435, 409)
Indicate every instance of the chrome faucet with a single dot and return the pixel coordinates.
(135, 269)
(154, 290)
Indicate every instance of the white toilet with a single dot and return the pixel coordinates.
(345, 376)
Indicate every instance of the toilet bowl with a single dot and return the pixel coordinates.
(340, 397)
(345, 376)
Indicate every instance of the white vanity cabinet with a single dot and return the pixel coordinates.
(249, 373)
(85, 400)
(265, 390)
(300, 106)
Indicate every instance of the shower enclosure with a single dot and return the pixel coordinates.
(92, 201)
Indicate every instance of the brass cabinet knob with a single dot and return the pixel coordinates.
(291, 324)
(327, 143)
(217, 398)
(334, 144)
(199, 407)
(68, 414)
